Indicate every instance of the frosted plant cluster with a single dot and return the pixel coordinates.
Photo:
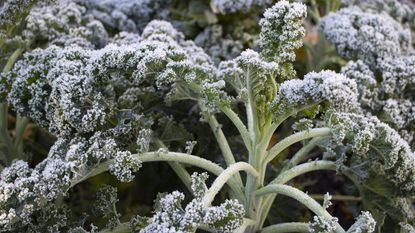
(115, 87)
(376, 36)
(232, 6)
(219, 48)
(325, 86)
(171, 217)
(396, 167)
(125, 15)
(366, 35)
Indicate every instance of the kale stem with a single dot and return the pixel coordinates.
(178, 168)
(300, 196)
(239, 125)
(196, 161)
(287, 227)
(223, 143)
(290, 140)
(224, 177)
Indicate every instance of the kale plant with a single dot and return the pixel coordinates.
(106, 84)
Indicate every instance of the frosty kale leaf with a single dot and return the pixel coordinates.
(316, 88)
(64, 23)
(232, 6)
(365, 35)
(282, 33)
(385, 59)
(105, 205)
(112, 103)
(90, 82)
(371, 140)
(12, 12)
(170, 216)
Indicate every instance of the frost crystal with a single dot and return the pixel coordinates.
(225, 218)
(371, 140)
(171, 217)
(282, 31)
(232, 6)
(364, 224)
(323, 225)
(407, 228)
(326, 86)
(124, 166)
(13, 11)
(365, 35)
(143, 140)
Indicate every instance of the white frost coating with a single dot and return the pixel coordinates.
(30, 191)
(398, 74)
(232, 6)
(315, 88)
(371, 140)
(127, 15)
(231, 211)
(364, 224)
(61, 85)
(400, 10)
(124, 166)
(389, 93)
(235, 71)
(407, 228)
(221, 48)
(64, 23)
(323, 225)
(365, 80)
(282, 31)
(78, 94)
(365, 35)
(171, 217)
(252, 77)
(11, 11)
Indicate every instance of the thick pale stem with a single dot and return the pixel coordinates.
(297, 137)
(336, 197)
(251, 110)
(12, 59)
(239, 125)
(287, 175)
(302, 169)
(300, 196)
(303, 152)
(288, 227)
(223, 143)
(178, 168)
(277, 122)
(174, 157)
(182, 173)
(224, 177)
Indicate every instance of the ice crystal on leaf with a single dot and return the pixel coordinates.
(323, 225)
(232, 6)
(371, 140)
(364, 224)
(171, 217)
(282, 31)
(385, 58)
(107, 80)
(124, 165)
(325, 86)
(365, 35)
